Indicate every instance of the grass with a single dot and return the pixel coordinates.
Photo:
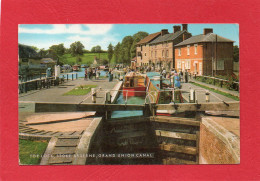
(87, 58)
(217, 91)
(80, 90)
(30, 152)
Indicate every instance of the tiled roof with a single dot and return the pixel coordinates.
(148, 38)
(167, 37)
(211, 37)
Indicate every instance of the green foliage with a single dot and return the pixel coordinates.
(86, 58)
(217, 91)
(80, 90)
(96, 49)
(236, 53)
(117, 52)
(58, 50)
(27, 150)
(137, 37)
(126, 44)
(35, 48)
(76, 48)
(110, 50)
(26, 51)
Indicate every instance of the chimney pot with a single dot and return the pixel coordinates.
(184, 27)
(176, 29)
(207, 31)
(164, 31)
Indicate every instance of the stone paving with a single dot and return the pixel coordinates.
(55, 94)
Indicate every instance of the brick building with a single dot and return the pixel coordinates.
(158, 49)
(162, 53)
(142, 49)
(198, 54)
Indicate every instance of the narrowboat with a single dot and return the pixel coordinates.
(134, 85)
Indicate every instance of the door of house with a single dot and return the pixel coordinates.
(195, 68)
(183, 66)
(200, 68)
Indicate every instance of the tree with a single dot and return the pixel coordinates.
(76, 48)
(58, 50)
(117, 52)
(110, 52)
(35, 48)
(42, 53)
(125, 49)
(96, 49)
(137, 37)
(236, 53)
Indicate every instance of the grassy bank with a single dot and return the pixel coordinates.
(86, 58)
(217, 91)
(80, 90)
(30, 152)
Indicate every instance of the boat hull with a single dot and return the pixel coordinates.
(134, 91)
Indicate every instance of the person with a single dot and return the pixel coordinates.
(97, 74)
(177, 83)
(90, 74)
(109, 76)
(94, 73)
(181, 75)
(186, 76)
(164, 73)
(86, 74)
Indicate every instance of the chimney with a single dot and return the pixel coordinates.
(184, 27)
(164, 31)
(207, 31)
(176, 29)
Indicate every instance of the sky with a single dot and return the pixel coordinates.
(46, 35)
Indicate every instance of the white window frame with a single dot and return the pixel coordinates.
(188, 49)
(179, 64)
(195, 49)
(179, 53)
(187, 64)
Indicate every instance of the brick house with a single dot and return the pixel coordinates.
(142, 49)
(198, 54)
(162, 53)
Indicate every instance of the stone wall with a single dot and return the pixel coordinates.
(218, 145)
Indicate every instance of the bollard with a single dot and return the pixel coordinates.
(207, 96)
(173, 95)
(108, 101)
(108, 97)
(72, 76)
(192, 95)
(67, 77)
(94, 95)
(76, 75)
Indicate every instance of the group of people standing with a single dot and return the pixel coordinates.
(92, 72)
(176, 77)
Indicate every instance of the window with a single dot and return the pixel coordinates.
(167, 53)
(187, 64)
(220, 65)
(163, 53)
(179, 52)
(195, 49)
(188, 49)
(178, 64)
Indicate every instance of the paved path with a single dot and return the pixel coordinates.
(235, 93)
(200, 93)
(55, 94)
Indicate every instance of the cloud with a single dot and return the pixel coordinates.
(82, 29)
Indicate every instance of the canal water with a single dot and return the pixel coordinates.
(81, 73)
(130, 100)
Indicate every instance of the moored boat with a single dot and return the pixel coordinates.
(134, 85)
(76, 67)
